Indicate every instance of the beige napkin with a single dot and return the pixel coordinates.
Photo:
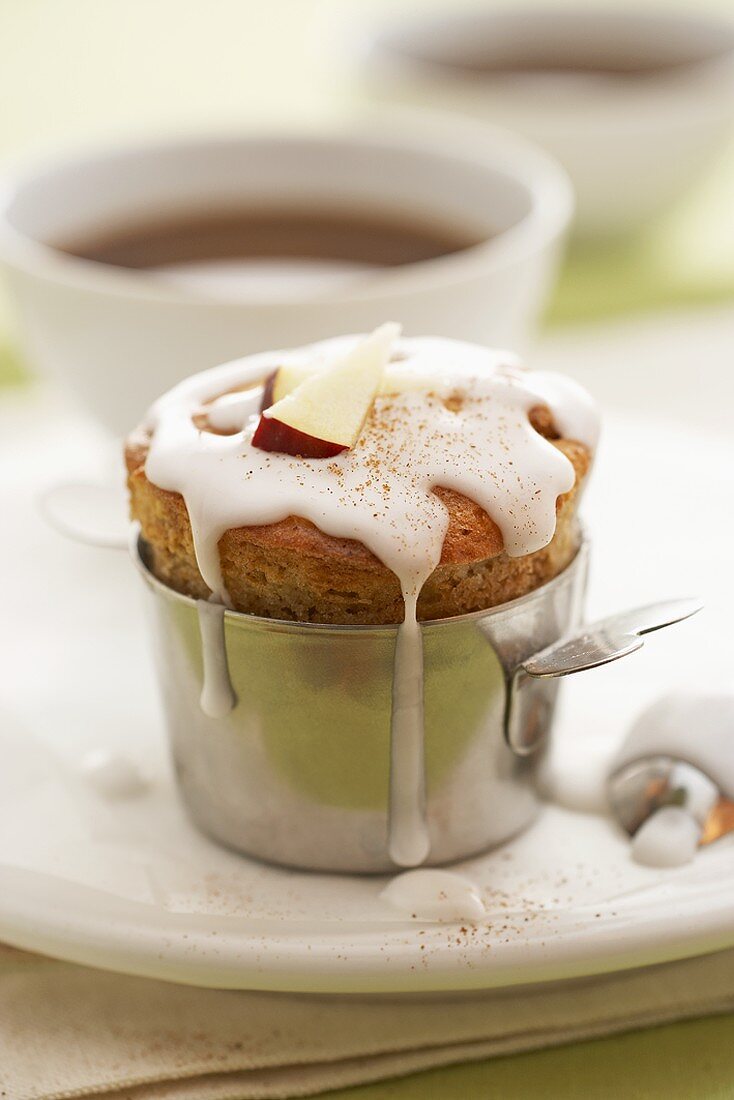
(68, 1031)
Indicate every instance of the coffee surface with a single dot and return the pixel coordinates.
(601, 63)
(190, 238)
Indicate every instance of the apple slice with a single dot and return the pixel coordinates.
(291, 375)
(284, 380)
(325, 414)
(273, 435)
(268, 390)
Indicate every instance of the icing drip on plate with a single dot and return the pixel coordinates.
(447, 414)
(435, 896)
(669, 838)
(112, 775)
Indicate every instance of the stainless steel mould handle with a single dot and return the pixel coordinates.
(591, 646)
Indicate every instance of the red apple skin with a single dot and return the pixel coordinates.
(268, 391)
(273, 435)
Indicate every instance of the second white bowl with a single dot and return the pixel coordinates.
(632, 104)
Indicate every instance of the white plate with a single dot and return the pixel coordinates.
(129, 885)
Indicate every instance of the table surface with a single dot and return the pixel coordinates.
(86, 70)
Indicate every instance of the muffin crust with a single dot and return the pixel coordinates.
(292, 570)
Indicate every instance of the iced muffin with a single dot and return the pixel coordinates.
(344, 481)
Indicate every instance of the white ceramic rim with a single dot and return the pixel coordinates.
(542, 179)
(89, 926)
(380, 46)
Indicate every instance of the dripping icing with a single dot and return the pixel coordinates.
(217, 695)
(408, 843)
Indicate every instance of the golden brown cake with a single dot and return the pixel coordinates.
(292, 570)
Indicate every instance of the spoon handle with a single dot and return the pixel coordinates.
(609, 639)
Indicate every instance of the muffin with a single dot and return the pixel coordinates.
(341, 482)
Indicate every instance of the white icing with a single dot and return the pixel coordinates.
(486, 449)
(669, 838)
(217, 695)
(435, 896)
(408, 843)
(688, 726)
(112, 775)
(231, 411)
(450, 414)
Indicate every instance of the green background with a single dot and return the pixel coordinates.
(687, 1061)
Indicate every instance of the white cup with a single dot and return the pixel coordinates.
(631, 142)
(120, 337)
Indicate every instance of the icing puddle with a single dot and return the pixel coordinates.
(435, 895)
(112, 775)
(669, 838)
